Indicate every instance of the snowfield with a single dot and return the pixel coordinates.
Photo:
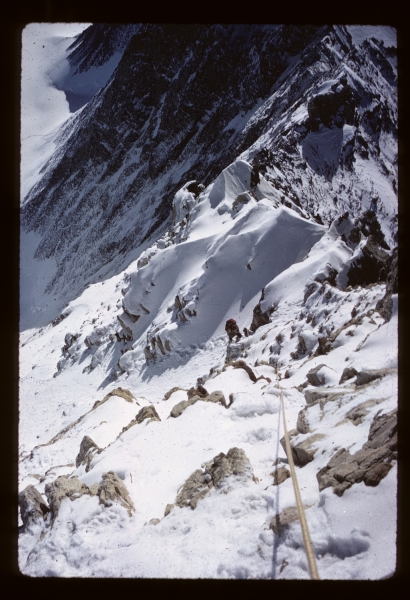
(140, 363)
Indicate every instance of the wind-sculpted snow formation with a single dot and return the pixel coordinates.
(185, 102)
(205, 195)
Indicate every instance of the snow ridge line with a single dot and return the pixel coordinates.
(305, 530)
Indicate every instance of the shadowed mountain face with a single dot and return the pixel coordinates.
(184, 101)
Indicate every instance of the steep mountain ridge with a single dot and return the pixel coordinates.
(121, 158)
(141, 428)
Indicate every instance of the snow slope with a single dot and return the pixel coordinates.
(43, 106)
(236, 248)
(155, 459)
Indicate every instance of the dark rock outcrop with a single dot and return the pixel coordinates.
(370, 464)
(335, 107)
(259, 317)
(385, 305)
(313, 377)
(348, 373)
(304, 452)
(369, 265)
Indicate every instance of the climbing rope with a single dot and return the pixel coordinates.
(306, 536)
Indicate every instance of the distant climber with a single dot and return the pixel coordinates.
(232, 330)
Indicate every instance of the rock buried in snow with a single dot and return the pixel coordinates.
(321, 395)
(64, 487)
(113, 490)
(280, 523)
(147, 412)
(302, 424)
(121, 392)
(370, 464)
(179, 408)
(199, 391)
(280, 475)
(88, 449)
(171, 391)
(32, 505)
(216, 471)
(357, 414)
(234, 463)
(168, 509)
(217, 396)
(193, 490)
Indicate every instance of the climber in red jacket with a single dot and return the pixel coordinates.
(232, 330)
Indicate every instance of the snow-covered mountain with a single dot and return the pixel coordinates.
(213, 172)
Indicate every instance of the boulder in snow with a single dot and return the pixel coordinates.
(88, 449)
(32, 505)
(302, 424)
(114, 490)
(348, 373)
(119, 391)
(64, 487)
(195, 488)
(280, 475)
(304, 452)
(259, 317)
(235, 462)
(217, 396)
(179, 408)
(215, 473)
(147, 412)
(198, 391)
(313, 376)
(280, 523)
